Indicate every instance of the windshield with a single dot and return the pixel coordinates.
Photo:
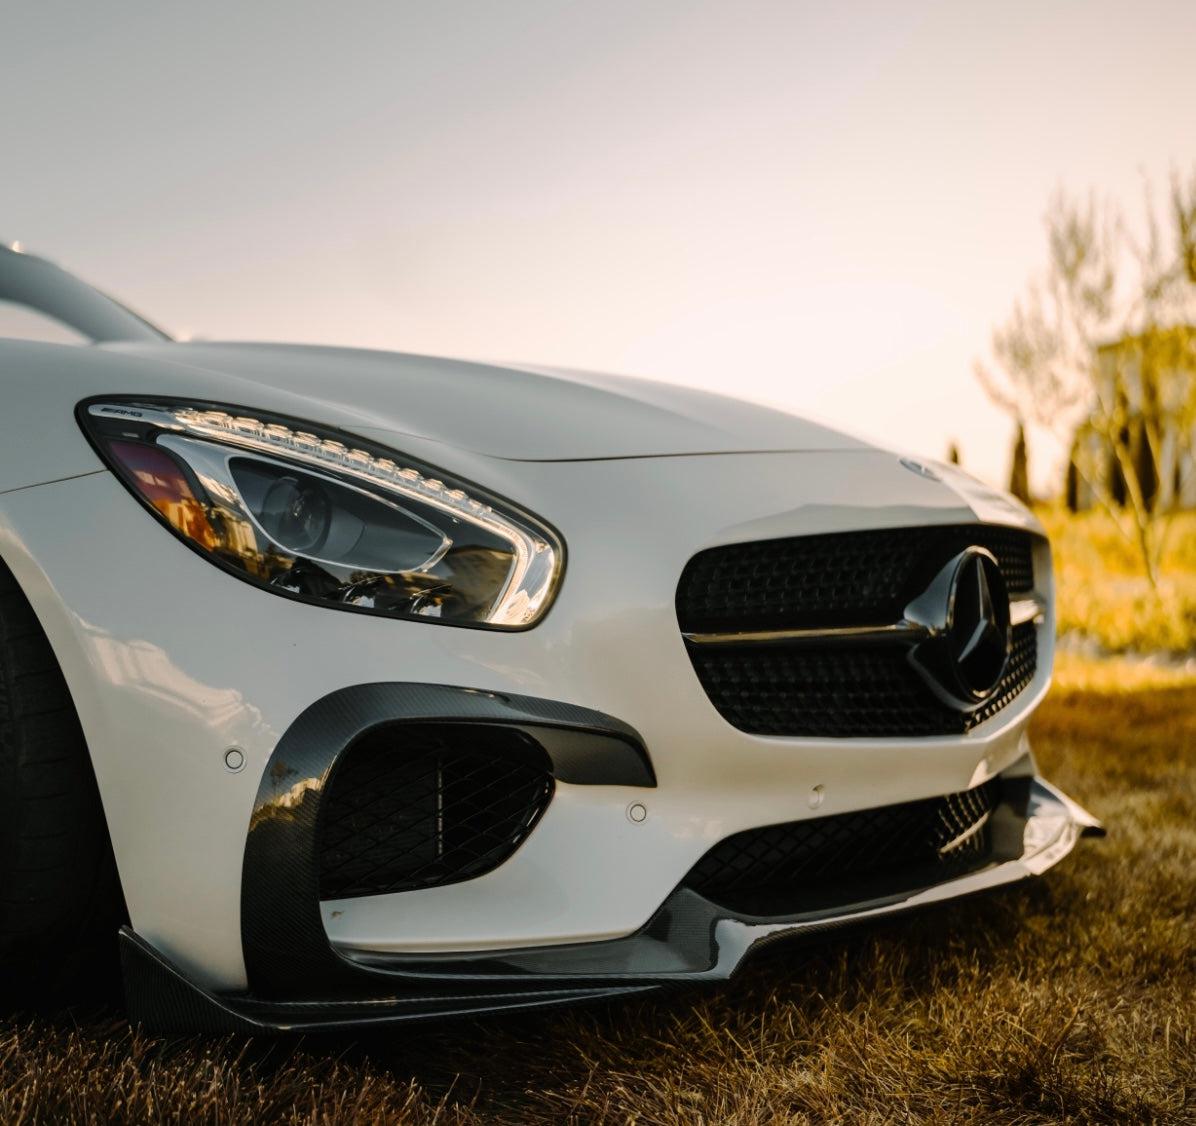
(35, 285)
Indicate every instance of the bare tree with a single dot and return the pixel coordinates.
(1105, 337)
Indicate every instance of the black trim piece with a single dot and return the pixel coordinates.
(160, 998)
(281, 925)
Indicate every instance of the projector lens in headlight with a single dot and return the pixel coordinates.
(304, 513)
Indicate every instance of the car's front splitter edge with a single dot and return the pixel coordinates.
(160, 998)
(689, 940)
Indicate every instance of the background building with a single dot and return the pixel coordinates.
(1145, 385)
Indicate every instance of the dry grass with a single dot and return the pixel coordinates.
(1103, 595)
(1068, 998)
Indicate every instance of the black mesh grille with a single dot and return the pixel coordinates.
(783, 868)
(1023, 663)
(844, 579)
(417, 806)
(843, 691)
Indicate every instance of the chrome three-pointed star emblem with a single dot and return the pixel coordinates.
(978, 623)
(965, 611)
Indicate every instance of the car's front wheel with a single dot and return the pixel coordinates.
(60, 901)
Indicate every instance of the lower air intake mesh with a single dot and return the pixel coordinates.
(418, 806)
(783, 868)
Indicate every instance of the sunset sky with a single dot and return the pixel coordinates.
(821, 206)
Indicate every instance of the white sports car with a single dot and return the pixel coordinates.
(355, 687)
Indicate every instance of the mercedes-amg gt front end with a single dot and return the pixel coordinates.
(360, 687)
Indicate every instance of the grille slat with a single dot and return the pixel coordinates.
(418, 806)
(843, 579)
(780, 868)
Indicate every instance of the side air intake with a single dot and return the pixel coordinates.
(423, 805)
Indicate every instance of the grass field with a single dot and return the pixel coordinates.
(1068, 998)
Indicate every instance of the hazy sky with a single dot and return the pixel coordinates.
(825, 206)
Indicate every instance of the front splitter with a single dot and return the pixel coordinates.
(688, 940)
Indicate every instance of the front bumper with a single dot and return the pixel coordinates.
(688, 940)
(171, 664)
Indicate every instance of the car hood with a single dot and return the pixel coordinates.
(517, 412)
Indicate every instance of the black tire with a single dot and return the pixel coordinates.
(60, 901)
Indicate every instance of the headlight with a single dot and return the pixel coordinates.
(325, 518)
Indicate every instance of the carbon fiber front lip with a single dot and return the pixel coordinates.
(689, 939)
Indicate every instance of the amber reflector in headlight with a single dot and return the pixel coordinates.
(314, 515)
